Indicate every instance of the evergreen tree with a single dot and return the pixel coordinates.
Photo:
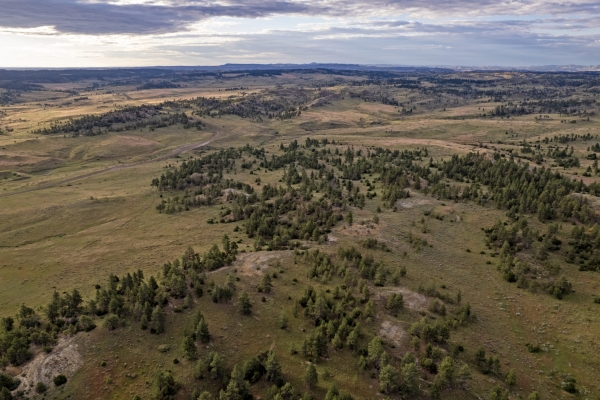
(369, 309)
(188, 302)
(244, 304)
(283, 320)
(498, 394)
(395, 302)
(158, 320)
(388, 377)
(352, 340)
(188, 348)
(436, 387)
(375, 350)
(533, 396)
(273, 369)
(267, 284)
(331, 330)
(447, 369)
(311, 378)
(511, 378)
(205, 396)
(5, 394)
(237, 388)
(337, 341)
(144, 322)
(216, 366)
(164, 386)
(410, 378)
(202, 334)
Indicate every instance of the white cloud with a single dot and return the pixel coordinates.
(167, 32)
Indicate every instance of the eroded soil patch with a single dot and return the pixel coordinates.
(64, 359)
(254, 264)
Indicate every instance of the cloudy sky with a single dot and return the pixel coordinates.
(98, 33)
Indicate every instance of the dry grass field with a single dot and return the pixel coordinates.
(76, 209)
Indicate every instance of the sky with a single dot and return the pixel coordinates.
(122, 33)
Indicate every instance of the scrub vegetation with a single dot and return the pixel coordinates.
(299, 234)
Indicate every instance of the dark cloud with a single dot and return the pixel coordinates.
(104, 17)
(71, 16)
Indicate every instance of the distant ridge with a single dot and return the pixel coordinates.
(336, 66)
(332, 66)
(55, 75)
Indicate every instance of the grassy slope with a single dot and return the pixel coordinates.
(60, 238)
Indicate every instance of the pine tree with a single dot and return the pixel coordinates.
(375, 350)
(237, 388)
(5, 394)
(244, 304)
(436, 387)
(188, 348)
(333, 392)
(164, 386)
(388, 377)
(362, 363)
(369, 309)
(273, 369)
(205, 396)
(144, 322)
(511, 378)
(331, 330)
(188, 302)
(267, 284)
(352, 340)
(158, 320)
(230, 284)
(533, 396)
(395, 302)
(283, 320)
(337, 341)
(202, 333)
(410, 378)
(311, 378)
(216, 366)
(498, 394)
(447, 369)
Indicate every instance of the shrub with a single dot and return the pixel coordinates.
(112, 322)
(533, 348)
(8, 382)
(164, 386)
(86, 323)
(568, 385)
(60, 380)
(40, 388)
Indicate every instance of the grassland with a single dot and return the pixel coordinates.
(76, 209)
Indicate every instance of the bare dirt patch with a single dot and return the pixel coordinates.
(254, 264)
(392, 331)
(64, 359)
(226, 192)
(410, 203)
